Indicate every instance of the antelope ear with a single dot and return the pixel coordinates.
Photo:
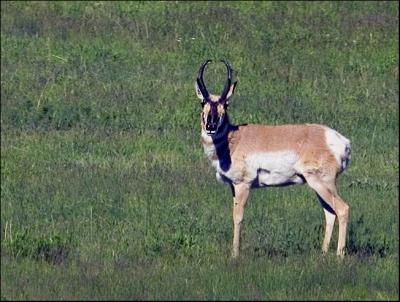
(230, 92)
(198, 92)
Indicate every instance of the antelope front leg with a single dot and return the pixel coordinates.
(240, 195)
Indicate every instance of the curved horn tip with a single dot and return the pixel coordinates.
(202, 66)
(228, 81)
(225, 61)
(199, 80)
(228, 66)
(206, 62)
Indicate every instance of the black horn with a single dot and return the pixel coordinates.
(200, 81)
(228, 81)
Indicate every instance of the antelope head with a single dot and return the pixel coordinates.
(214, 107)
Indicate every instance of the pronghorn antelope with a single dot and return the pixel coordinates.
(252, 156)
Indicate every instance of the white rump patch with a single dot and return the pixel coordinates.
(340, 147)
(273, 168)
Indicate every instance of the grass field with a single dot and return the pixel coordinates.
(106, 192)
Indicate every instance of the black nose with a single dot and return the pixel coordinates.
(211, 124)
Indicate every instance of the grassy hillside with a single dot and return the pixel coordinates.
(106, 192)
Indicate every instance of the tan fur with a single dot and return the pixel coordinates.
(286, 154)
(307, 140)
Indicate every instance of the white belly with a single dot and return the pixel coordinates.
(273, 168)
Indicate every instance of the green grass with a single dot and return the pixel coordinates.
(312, 278)
(106, 192)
